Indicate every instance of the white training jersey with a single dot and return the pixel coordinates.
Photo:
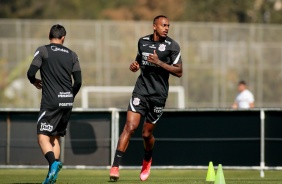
(244, 99)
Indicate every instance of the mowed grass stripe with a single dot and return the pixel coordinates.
(70, 176)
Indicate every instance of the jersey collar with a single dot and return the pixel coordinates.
(152, 38)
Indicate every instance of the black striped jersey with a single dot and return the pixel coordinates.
(56, 64)
(153, 80)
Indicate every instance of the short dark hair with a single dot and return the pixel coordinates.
(242, 83)
(157, 17)
(57, 31)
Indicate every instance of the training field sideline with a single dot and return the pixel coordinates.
(71, 176)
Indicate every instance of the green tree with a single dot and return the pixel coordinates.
(243, 11)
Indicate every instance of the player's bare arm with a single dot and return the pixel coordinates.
(134, 67)
(38, 84)
(175, 69)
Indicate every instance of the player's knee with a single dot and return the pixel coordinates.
(147, 135)
(40, 141)
(130, 129)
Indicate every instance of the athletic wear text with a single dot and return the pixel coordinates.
(158, 109)
(145, 61)
(65, 95)
(54, 48)
(45, 127)
(65, 104)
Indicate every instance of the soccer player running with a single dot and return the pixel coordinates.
(57, 65)
(158, 56)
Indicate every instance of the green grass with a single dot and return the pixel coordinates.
(28, 176)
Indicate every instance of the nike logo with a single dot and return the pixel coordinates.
(145, 45)
(118, 156)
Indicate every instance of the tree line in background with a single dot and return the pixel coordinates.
(242, 11)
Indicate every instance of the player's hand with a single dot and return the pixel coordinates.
(38, 84)
(134, 67)
(154, 58)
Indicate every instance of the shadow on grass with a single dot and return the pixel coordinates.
(25, 183)
(124, 181)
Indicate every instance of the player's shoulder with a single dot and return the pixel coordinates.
(66, 48)
(41, 51)
(40, 48)
(73, 53)
(70, 50)
(146, 38)
(172, 42)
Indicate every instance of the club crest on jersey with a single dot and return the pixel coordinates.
(162, 47)
(136, 101)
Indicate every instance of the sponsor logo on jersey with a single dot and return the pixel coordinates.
(45, 127)
(65, 104)
(136, 101)
(55, 48)
(65, 95)
(162, 47)
(158, 109)
(145, 61)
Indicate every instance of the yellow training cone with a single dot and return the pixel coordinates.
(219, 179)
(211, 173)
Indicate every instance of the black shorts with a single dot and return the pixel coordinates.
(53, 122)
(150, 107)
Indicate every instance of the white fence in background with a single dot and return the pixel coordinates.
(85, 90)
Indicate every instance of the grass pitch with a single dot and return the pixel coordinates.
(70, 176)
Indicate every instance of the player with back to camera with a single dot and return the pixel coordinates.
(57, 65)
(158, 56)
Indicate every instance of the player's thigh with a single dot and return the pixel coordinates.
(132, 120)
(137, 104)
(62, 126)
(48, 121)
(136, 109)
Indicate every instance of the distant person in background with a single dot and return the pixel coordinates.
(245, 99)
(57, 65)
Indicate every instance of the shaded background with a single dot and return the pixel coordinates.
(222, 42)
(183, 138)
